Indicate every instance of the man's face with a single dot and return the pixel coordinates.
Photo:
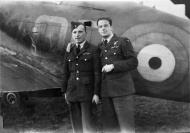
(79, 34)
(104, 28)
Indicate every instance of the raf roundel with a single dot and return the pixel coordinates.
(163, 59)
(156, 62)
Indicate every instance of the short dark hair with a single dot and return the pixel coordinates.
(76, 24)
(105, 18)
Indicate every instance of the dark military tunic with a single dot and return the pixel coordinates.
(82, 73)
(118, 52)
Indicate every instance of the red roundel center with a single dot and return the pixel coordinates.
(155, 62)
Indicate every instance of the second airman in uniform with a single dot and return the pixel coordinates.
(117, 59)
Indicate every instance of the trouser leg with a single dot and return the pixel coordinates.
(97, 112)
(108, 117)
(124, 108)
(87, 123)
(75, 116)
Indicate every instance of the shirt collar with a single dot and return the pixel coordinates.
(81, 44)
(109, 38)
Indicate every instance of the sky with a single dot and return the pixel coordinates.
(163, 5)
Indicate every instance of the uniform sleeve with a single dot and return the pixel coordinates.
(65, 73)
(130, 61)
(97, 71)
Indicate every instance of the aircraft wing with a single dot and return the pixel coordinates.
(19, 76)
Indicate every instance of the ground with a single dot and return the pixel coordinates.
(51, 115)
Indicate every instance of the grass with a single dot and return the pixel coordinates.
(51, 114)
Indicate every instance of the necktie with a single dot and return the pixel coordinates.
(105, 42)
(78, 48)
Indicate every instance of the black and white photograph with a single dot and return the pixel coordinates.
(94, 66)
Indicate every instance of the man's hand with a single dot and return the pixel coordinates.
(108, 68)
(95, 99)
(66, 99)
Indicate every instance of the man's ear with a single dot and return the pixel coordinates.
(112, 28)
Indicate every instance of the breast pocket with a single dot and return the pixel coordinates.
(115, 51)
(71, 62)
(86, 58)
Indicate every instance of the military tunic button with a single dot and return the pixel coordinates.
(69, 60)
(114, 53)
(77, 71)
(106, 58)
(77, 64)
(85, 59)
(77, 57)
(105, 50)
(77, 78)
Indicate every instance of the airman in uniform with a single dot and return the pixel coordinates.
(81, 82)
(117, 89)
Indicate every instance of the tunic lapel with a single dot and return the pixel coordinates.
(84, 48)
(75, 50)
(113, 40)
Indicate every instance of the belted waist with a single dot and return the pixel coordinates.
(82, 73)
